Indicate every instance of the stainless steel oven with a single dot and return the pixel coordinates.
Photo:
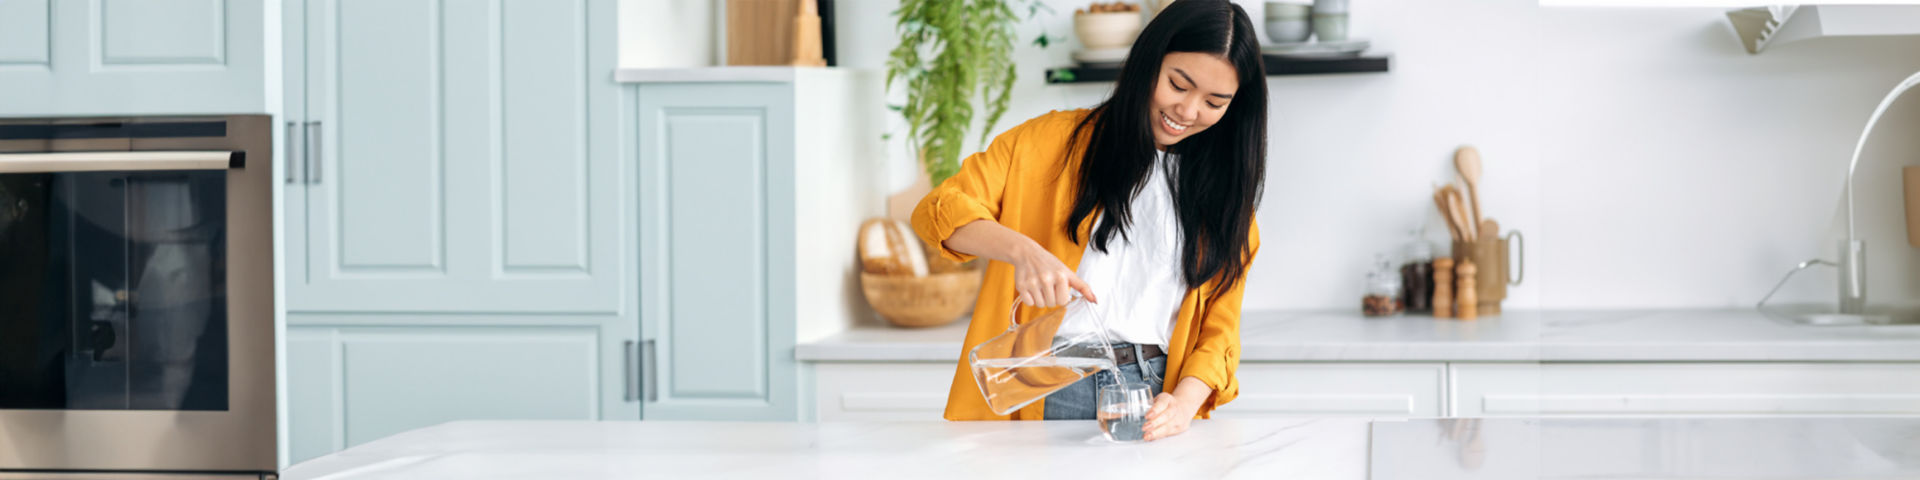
(136, 298)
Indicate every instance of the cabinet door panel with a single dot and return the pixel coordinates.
(881, 391)
(1686, 389)
(466, 158)
(133, 57)
(716, 267)
(1321, 389)
(348, 385)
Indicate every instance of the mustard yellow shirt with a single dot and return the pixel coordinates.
(1026, 182)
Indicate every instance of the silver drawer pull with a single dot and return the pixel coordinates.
(290, 152)
(651, 373)
(626, 372)
(313, 158)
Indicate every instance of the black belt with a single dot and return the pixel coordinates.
(1125, 356)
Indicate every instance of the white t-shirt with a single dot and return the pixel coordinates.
(1138, 280)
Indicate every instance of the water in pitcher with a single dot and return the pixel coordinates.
(1015, 382)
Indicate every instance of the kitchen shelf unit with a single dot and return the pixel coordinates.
(1275, 67)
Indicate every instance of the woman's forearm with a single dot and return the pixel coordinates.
(994, 241)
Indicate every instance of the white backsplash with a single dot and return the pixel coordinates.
(1650, 161)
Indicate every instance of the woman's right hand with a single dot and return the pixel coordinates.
(1038, 277)
(1041, 280)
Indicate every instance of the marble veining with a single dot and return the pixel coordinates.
(1333, 449)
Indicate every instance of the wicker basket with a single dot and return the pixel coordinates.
(918, 302)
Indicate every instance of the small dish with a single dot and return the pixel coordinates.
(1316, 50)
(1101, 57)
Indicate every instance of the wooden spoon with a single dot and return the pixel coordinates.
(1440, 202)
(1457, 207)
(1467, 161)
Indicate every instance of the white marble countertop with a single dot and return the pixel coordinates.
(1331, 449)
(1517, 336)
(972, 450)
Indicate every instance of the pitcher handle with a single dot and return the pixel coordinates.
(1013, 318)
(1099, 319)
(1520, 242)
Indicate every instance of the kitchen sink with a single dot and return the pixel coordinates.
(1822, 314)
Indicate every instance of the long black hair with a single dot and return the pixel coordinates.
(1217, 174)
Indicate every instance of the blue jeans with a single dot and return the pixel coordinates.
(1079, 400)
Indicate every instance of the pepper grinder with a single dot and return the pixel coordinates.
(1466, 297)
(1443, 287)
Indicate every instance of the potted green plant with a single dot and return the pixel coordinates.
(952, 52)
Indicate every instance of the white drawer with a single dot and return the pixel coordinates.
(881, 391)
(1338, 389)
(1685, 389)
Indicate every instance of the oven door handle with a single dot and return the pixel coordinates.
(56, 162)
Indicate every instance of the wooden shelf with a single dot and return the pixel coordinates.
(1275, 67)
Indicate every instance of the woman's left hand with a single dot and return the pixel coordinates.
(1169, 416)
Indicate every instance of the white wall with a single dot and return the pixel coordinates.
(1650, 161)
(669, 33)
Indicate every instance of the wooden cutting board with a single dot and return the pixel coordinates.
(760, 32)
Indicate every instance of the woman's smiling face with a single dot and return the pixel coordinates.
(1191, 94)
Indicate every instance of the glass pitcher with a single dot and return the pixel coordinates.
(1034, 359)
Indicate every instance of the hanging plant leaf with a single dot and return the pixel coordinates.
(951, 53)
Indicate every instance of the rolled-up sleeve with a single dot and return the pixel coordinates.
(973, 194)
(1217, 355)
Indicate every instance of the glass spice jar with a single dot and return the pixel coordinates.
(1382, 291)
(1416, 273)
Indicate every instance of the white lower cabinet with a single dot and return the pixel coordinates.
(1684, 389)
(918, 391)
(881, 391)
(1338, 389)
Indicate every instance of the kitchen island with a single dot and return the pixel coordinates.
(1333, 449)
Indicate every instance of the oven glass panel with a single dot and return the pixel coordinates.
(113, 290)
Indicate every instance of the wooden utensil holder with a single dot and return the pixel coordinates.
(1910, 183)
(1490, 257)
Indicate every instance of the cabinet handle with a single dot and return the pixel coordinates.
(627, 357)
(291, 152)
(651, 375)
(313, 158)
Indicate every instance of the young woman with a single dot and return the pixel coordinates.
(1143, 204)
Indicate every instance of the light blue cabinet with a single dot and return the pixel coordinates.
(460, 156)
(717, 287)
(133, 57)
(353, 383)
(455, 217)
(751, 186)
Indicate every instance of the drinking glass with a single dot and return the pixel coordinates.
(1123, 411)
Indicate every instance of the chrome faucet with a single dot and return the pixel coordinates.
(1853, 253)
(1853, 250)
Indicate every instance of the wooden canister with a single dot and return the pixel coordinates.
(1910, 181)
(1489, 256)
